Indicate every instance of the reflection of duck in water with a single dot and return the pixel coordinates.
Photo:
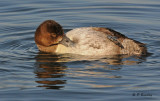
(57, 71)
(50, 37)
(49, 72)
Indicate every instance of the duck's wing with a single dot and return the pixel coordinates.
(121, 36)
(115, 40)
(112, 35)
(120, 40)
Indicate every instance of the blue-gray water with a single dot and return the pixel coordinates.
(28, 75)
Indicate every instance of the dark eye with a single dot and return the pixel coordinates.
(67, 41)
(53, 35)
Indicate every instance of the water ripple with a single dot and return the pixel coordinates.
(26, 71)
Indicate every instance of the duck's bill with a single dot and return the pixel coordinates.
(67, 42)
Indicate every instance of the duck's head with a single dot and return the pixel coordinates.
(50, 34)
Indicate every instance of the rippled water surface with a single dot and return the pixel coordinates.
(29, 75)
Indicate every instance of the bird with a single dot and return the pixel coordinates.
(50, 38)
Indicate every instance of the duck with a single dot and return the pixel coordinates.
(50, 38)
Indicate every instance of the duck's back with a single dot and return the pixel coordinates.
(91, 42)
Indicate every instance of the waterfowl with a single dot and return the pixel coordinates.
(50, 37)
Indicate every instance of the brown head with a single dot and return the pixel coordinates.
(49, 34)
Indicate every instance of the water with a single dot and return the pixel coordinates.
(29, 75)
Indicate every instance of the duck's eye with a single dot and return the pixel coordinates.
(53, 35)
(67, 40)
